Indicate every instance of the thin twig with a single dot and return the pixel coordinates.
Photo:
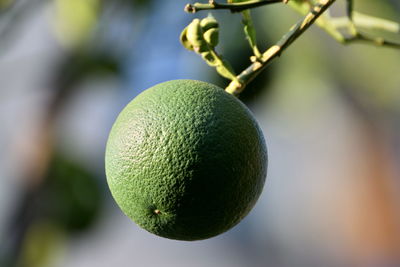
(359, 21)
(367, 22)
(13, 18)
(332, 25)
(233, 7)
(236, 87)
(378, 41)
(6, 6)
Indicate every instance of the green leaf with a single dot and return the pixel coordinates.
(225, 70)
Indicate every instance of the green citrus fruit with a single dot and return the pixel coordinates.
(186, 160)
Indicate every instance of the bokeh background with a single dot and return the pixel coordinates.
(330, 115)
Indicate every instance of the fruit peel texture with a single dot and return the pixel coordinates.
(186, 160)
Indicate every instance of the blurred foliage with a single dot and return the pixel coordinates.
(83, 63)
(141, 3)
(69, 201)
(71, 196)
(75, 20)
(41, 242)
(4, 4)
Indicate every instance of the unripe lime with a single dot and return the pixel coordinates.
(186, 160)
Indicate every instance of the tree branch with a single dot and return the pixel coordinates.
(233, 7)
(246, 76)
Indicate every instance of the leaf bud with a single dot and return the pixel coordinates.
(211, 36)
(195, 34)
(208, 23)
(184, 40)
